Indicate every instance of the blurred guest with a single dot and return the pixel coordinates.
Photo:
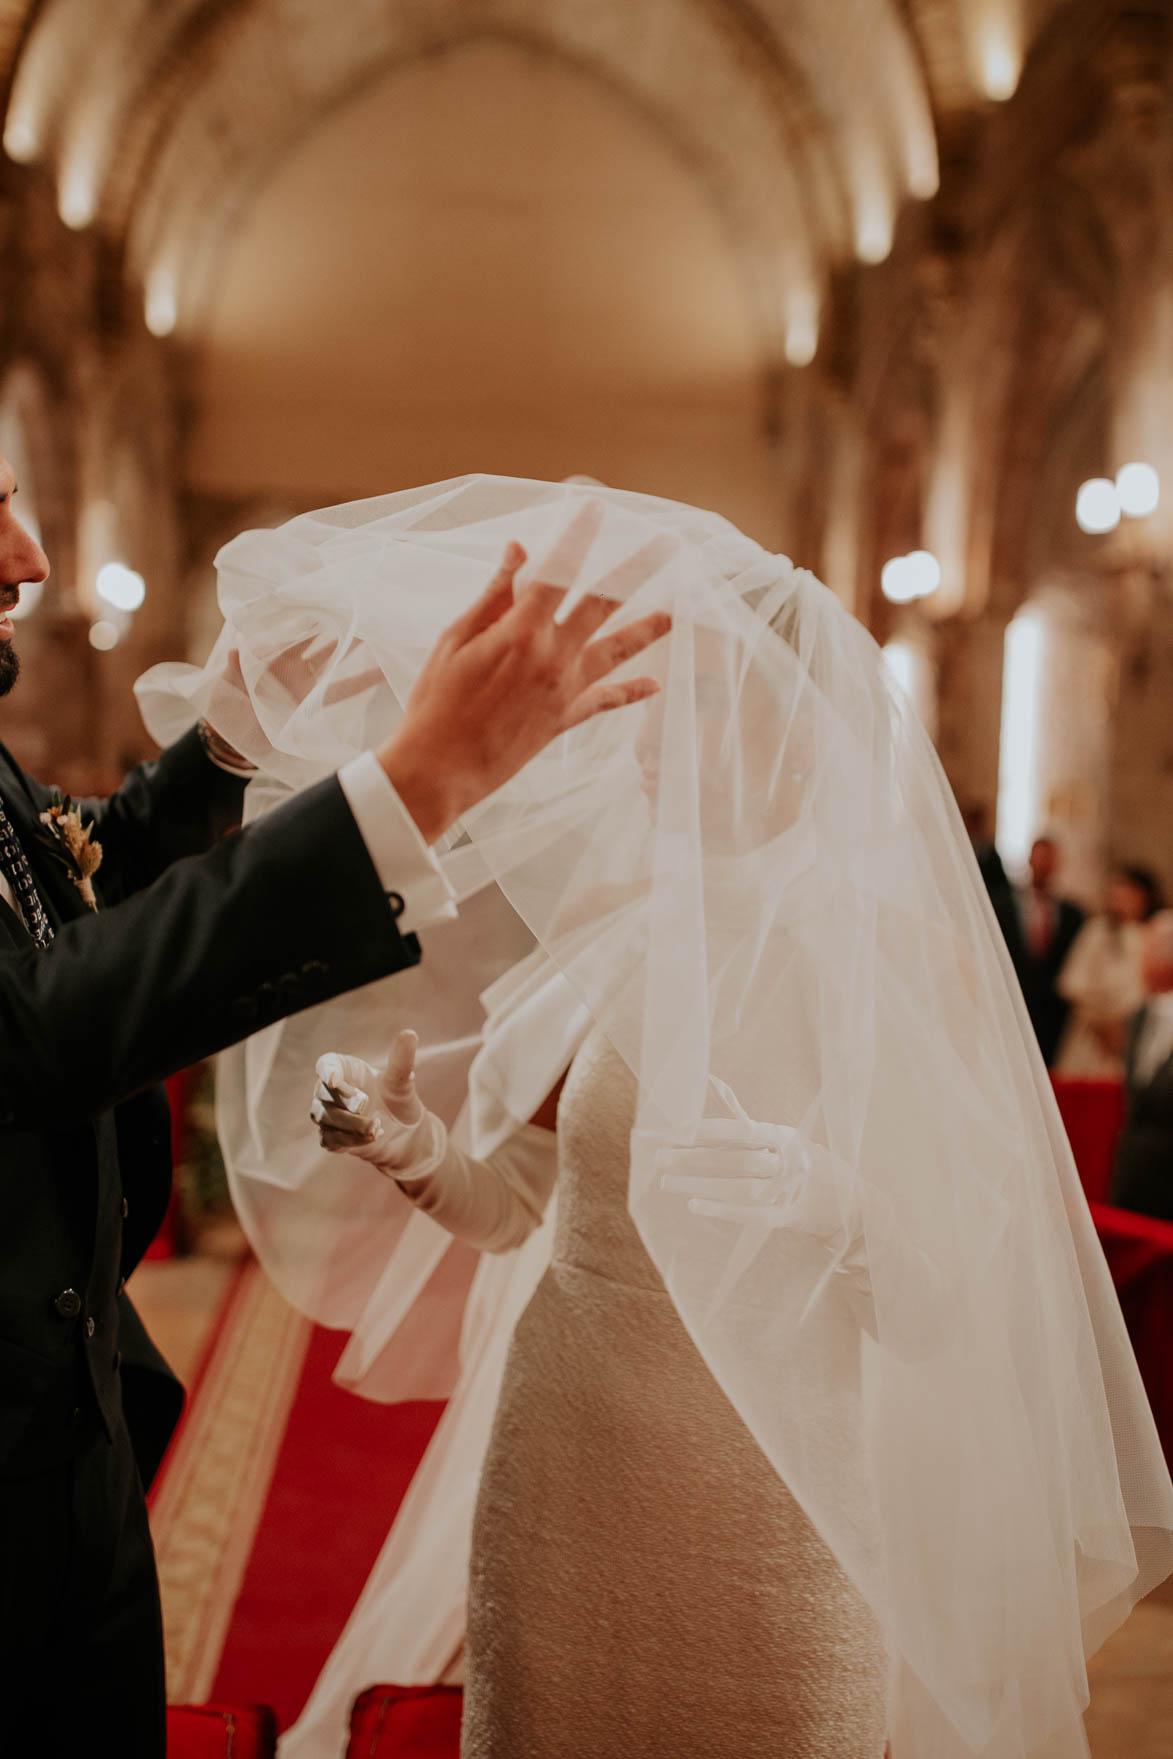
(1143, 1175)
(978, 822)
(1048, 925)
(1102, 977)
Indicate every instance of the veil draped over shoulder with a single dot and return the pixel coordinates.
(759, 888)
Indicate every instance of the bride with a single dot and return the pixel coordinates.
(822, 1426)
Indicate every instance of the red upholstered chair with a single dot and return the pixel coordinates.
(406, 1722)
(1139, 1251)
(1093, 1114)
(221, 1731)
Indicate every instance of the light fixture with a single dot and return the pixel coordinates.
(120, 586)
(910, 577)
(75, 196)
(1138, 488)
(802, 327)
(161, 308)
(20, 137)
(873, 234)
(999, 51)
(103, 635)
(1097, 506)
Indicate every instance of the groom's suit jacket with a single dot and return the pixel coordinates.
(188, 952)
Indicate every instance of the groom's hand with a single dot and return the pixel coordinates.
(506, 678)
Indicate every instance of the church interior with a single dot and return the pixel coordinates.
(888, 283)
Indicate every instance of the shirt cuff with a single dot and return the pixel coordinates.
(406, 867)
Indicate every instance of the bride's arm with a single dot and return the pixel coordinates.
(493, 1204)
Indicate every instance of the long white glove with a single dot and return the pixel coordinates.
(377, 1115)
(771, 1177)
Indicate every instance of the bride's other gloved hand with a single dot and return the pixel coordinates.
(376, 1114)
(770, 1177)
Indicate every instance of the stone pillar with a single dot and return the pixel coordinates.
(969, 705)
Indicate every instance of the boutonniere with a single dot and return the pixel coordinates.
(74, 846)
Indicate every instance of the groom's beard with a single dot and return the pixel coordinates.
(9, 667)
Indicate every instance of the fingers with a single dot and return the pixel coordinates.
(341, 1141)
(559, 567)
(397, 1086)
(636, 569)
(337, 1070)
(600, 699)
(725, 1162)
(765, 1217)
(743, 1191)
(493, 603)
(543, 596)
(337, 1121)
(587, 618)
(344, 689)
(609, 651)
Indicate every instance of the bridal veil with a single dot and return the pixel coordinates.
(847, 1164)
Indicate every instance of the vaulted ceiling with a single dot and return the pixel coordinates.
(810, 124)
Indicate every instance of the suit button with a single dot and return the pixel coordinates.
(395, 899)
(68, 1303)
(125, 1209)
(75, 1416)
(91, 1328)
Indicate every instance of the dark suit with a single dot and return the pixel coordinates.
(1142, 1178)
(200, 940)
(1038, 974)
(1001, 894)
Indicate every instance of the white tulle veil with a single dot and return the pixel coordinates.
(760, 890)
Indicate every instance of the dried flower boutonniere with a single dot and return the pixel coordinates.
(74, 846)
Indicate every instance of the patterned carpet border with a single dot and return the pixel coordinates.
(205, 1514)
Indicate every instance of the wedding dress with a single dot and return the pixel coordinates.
(642, 1581)
(844, 1169)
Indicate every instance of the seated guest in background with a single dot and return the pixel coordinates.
(1101, 978)
(1048, 924)
(1143, 1176)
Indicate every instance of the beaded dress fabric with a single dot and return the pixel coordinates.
(642, 1581)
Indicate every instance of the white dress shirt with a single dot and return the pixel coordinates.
(401, 858)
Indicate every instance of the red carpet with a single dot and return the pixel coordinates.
(342, 1470)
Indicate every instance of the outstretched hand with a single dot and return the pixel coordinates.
(373, 1113)
(507, 677)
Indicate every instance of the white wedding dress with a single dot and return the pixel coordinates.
(642, 1581)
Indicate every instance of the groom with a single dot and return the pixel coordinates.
(200, 939)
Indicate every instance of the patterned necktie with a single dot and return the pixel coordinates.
(24, 887)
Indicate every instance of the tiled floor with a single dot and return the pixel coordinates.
(1131, 1714)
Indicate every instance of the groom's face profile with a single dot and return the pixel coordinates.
(21, 560)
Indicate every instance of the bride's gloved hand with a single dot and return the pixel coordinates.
(771, 1176)
(376, 1114)
(493, 1204)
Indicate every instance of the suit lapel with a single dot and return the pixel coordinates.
(58, 892)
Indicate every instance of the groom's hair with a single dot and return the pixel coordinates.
(9, 667)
